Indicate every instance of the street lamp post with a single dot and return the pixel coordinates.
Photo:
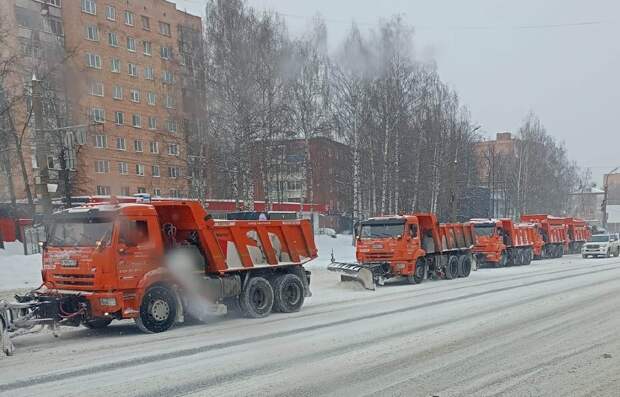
(605, 194)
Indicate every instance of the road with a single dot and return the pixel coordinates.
(548, 329)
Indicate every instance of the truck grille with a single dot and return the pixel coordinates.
(74, 279)
(592, 246)
(378, 256)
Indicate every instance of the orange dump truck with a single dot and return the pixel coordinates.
(501, 242)
(578, 234)
(553, 232)
(414, 247)
(156, 262)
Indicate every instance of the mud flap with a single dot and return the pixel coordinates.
(353, 272)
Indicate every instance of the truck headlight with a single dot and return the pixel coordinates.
(400, 266)
(107, 301)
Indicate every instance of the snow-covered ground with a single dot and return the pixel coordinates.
(18, 271)
(545, 329)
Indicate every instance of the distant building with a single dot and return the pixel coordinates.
(586, 204)
(613, 202)
(328, 174)
(492, 156)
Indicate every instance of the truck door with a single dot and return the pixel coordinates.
(138, 251)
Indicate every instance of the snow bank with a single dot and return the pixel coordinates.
(341, 246)
(18, 270)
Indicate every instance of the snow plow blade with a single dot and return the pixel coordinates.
(354, 272)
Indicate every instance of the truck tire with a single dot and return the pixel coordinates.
(452, 268)
(464, 266)
(418, 275)
(529, 255)
(617, 253)
(256, 300)
(503, 260)
(97, 323)
(288, 291)
(158, 310)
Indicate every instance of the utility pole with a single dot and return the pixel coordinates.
(41, 146)
(605, 194)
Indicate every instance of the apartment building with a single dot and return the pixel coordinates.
(132, 91)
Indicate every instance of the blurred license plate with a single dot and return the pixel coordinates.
(68, 263)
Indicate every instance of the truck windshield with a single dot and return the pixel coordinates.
(378, 230)
(484, 230)
(599, 239)
(83, 232)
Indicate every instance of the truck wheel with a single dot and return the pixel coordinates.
(503, 260)
(158, 310)
(529, 254)
(464, 266)
(256, 300)
(288, 291)
(418, 276)
(97, 323)
(452, 268)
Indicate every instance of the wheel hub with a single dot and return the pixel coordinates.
(160, 310)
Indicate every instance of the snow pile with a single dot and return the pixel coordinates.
(18, 270)
(341, 246)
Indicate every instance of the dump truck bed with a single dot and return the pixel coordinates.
(239, 245)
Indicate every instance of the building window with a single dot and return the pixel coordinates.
(135, 96)
(152, 123)
(173, 172)
(140, 169)
(136, 120)
(119, 118)
(112, 39)
(141, 190)
(101, 141)
(102, 166)
(148, 47)
(120, 143)
(123, 168)
(175, 193)
(98, 115)
(146, 22)
(169, 101)
(149, 74)
(154, 147)
(151, 98)
(103, 190)
(93, 60)
(132, 70)
(89, 7)
(117, 92)
(167, 77)
(165, 52)
(164, 28)
(137, 146)
(155, 171)
(129, 17)
(110, 13)
(125, 191)
(157, 192)
(131, 44)
(173, 149)
(171, 125)
(92, 33)
(96, 88)
(116, 65)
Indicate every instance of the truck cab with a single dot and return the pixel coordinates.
(490, 241)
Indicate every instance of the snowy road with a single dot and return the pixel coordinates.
(551, 328)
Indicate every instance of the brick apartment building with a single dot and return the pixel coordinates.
(133, 89)
(491, 157)
(330, 165)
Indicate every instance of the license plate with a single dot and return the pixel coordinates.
(68, 263)
(377, 246)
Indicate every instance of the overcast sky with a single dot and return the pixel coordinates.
(558, 58)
